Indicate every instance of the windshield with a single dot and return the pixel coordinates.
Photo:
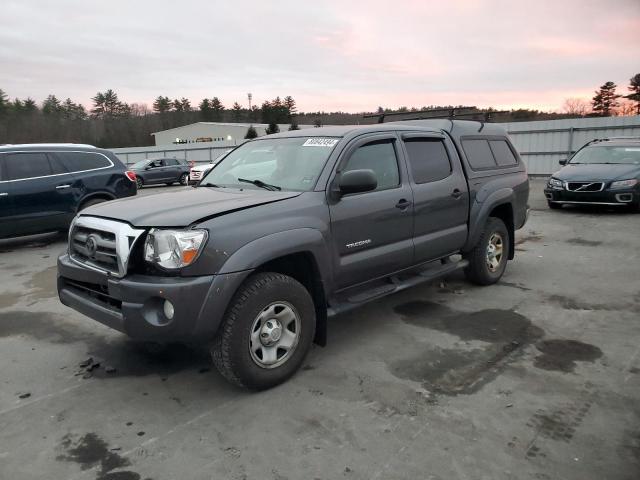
(278, 163)
(628, 155)
(140, 164)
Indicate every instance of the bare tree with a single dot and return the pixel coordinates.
(576, 106)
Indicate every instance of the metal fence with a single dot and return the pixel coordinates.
(541, 144)
(196, 152)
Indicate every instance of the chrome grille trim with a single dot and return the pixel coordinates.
(584, 186)
(111, 246)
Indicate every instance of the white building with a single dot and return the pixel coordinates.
(219, 133)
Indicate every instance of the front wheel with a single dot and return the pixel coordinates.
(266, 333)
(184, 179)
(488, 259)
(139, 182)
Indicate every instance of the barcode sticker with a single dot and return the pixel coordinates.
(320, 142)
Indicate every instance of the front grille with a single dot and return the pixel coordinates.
(585, 186)
(95, 247)
(103, 245)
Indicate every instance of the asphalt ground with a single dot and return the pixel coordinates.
(537, 377)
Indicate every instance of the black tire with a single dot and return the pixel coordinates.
(478, 270)
(554, 206)
(231, 348)
(93, 201)
(139, 182)
(184, 179)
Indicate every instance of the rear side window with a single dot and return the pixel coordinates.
(18, 166)
(81, 161)
(502, 153)
(380, 157)
(479, 154)
(428, 159)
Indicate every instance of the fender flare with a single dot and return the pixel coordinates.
(480, 213)
(275, 245)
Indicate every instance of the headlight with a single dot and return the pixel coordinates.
(555, 183)
(173, 249)
(624, 183)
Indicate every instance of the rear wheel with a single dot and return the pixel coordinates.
(266, 333)
(488, 259)
(184, 179)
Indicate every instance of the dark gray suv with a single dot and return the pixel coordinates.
(161, 170)
(320, 221)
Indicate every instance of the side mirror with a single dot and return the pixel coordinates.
(357, 181)
(563, 161)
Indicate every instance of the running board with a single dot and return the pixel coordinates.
(394, 284)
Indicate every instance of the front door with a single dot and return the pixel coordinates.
(372, 231)
(440, 195)
(41, 197)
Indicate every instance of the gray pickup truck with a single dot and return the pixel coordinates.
(290, 229)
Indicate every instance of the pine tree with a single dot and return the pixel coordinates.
(251, 133)
(216, 109)
(634, 88)
(4, 102)
(236, 111)
(51, 105)
(162, 104)
(605, 100)
(272, 128)
(205, 110)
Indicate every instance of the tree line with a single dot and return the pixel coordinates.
(113, 123)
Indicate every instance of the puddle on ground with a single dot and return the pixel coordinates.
(562, 355)
(91, 451)
(569, 303)
(43, 284)
(127, 357)
(458, 371)
(583, 242)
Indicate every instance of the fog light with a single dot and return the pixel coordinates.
(168, 309)
(624, 197)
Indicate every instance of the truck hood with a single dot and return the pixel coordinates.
(184, 207)
(597, 171)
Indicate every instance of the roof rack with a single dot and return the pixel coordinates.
(437, 113)
(607, 139)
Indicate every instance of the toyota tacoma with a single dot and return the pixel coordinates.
(290, 229)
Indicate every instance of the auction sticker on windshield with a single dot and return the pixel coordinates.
(320, 142)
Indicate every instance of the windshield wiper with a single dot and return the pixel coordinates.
(261, 184)
(210, 185)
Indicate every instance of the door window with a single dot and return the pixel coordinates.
(171, 162)
(428, 159)
(379, 156)
(81, 161)
(27, 165)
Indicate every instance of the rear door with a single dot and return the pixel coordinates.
(372, 231)
(440, 194)
(41, 197)
(172, 169)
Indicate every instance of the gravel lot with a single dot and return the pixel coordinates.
(537, 377)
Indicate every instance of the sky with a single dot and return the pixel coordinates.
(330, 55)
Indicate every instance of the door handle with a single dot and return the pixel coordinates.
(456, 194)
(60, 187)
(403, 204)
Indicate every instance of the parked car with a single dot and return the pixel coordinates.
(603, 172)
(198, 172)
(161, 170)
(43, 186)
(334, 218)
